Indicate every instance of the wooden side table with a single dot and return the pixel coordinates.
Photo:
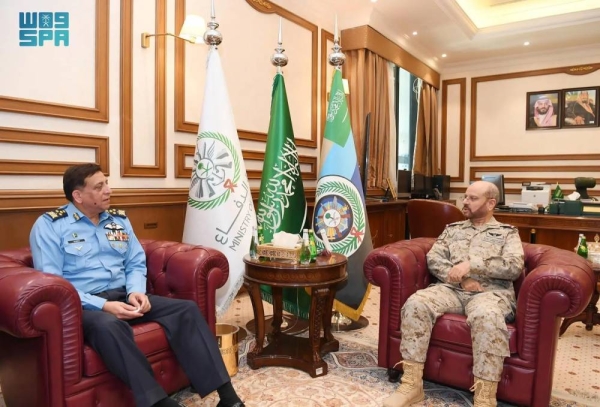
(305, 354)
(590, 315)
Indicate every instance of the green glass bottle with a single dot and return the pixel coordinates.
(582, 250)
(261, 235)
(305, 249)
(313, 245)
(253, 244)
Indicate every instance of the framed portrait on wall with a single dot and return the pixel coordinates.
(543, 110)
(580, 107)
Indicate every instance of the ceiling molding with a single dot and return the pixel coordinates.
(456, 13)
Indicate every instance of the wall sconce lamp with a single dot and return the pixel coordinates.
(192, 31)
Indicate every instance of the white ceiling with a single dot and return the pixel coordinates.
(469, 30)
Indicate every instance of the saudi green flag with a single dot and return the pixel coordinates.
(281, 202)
(558, 193)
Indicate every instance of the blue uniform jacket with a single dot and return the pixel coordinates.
(93, 258)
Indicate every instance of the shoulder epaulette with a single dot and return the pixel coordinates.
(117, 212)
(57, 213)
(504, 225)
(455, 223)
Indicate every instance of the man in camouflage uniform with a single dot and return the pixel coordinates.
(476, 262)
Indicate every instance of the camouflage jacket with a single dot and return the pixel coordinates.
(494, 250)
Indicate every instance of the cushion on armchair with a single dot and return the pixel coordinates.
(555, 284)
(41, 335)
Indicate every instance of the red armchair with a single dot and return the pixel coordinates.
(556, 283)
(43, 359)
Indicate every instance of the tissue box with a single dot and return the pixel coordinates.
(594, 251)
(277, 252)
(572, 208)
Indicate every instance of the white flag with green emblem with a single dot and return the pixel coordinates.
(220, 213)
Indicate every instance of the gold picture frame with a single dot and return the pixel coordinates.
(391, 188)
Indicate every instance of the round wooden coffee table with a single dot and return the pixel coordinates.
(323, 278)
(590, 316)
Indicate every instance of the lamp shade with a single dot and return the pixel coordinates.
(193, 29)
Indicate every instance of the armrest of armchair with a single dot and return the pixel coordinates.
(399, 269)
(188, 272)
(38, 305)
(560, 284)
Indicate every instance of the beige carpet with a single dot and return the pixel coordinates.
(355, 380)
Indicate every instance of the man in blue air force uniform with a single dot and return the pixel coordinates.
(95, 249)
(476, 262)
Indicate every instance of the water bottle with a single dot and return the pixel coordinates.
(253, 244)
(261, 235)
(582, 250)
(305, 249)
(313, 245)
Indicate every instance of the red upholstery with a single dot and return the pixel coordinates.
(43, 359)
(428, 218)
(556, 283)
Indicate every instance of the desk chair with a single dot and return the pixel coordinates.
(428, 218)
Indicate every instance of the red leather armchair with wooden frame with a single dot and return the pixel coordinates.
(428, 218)
(44, 361)
(556, 283)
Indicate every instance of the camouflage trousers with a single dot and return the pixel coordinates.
(485, 311)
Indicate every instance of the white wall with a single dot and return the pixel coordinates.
(65, 75)
(501, 117)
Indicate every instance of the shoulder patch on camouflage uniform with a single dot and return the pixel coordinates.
(57, 213)
(117, 212)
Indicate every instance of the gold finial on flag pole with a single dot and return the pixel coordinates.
(279, 59)
(336, 57)
(212, 36)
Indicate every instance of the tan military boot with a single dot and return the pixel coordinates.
(411, 388)
(485, 393)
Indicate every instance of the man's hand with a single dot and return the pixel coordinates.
(579, 120)
(456, 273)
(121, 310)
(471, 285)
(140, 301)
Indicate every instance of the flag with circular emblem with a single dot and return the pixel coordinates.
(220, 213)
(340, 203)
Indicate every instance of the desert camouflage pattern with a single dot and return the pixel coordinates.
(496, 257)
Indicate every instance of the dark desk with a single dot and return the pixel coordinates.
(305, 354)
(554, 230)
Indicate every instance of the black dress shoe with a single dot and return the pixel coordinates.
(239, 404)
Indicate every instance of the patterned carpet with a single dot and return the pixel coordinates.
(355, 380)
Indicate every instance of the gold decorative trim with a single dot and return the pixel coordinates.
(570, 70)
(462, 82)
(262, 6)
(99, 112)
(48, 138)
(128, 168)
(183, 171)
(368, 38)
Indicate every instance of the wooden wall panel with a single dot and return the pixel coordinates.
(128, 168)
(462, 82)
(569, 70)
(48, 138)
(183, 171)
(263, 6)
(97, 113)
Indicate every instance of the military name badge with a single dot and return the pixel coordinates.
(116, 232)
(215, 173)
(339, 211)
